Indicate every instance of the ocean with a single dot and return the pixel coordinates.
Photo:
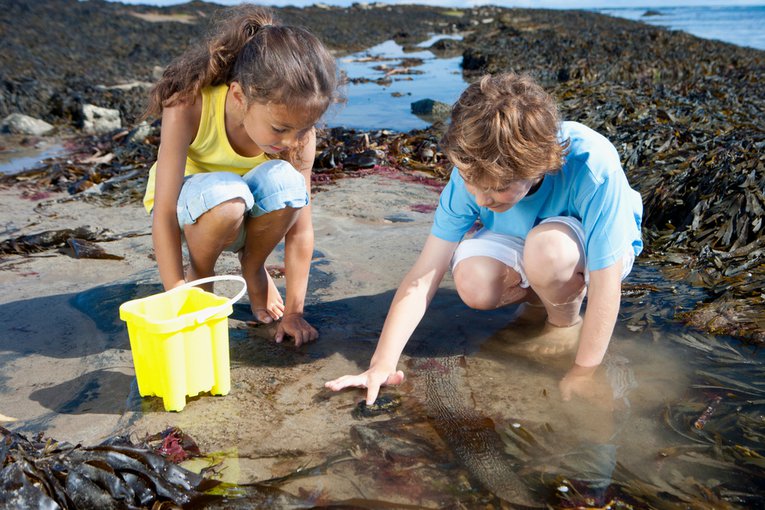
(737, 24)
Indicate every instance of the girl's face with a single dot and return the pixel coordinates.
(501, 200)
(274, 128)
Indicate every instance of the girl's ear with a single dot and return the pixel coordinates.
(238, 95)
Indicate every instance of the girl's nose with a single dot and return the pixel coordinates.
(289, 140)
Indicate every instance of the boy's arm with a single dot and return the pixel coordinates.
(407, 309)
(603, 300)
(298, 251)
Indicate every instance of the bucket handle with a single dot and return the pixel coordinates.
(203, 315)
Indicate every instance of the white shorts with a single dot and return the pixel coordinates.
(509, 249)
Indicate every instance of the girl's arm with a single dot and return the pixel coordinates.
(179, 127)
(603, 300)
(406, 311)
(298, 252)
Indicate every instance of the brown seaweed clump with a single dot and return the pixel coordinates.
(42, 473)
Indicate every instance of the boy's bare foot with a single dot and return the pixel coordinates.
(554, 340)
(529, 314)
(265, 300)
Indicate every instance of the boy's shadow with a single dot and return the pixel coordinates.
(352, 326)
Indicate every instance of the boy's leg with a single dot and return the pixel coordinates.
(279, 193)
(554, 263)
(485, 283)
(487, 271)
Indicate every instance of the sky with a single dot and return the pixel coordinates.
(553, 4)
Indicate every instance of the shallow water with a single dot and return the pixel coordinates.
(23, 158)
(633, 442)
(373, 106)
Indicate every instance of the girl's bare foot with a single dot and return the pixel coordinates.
(265, 300)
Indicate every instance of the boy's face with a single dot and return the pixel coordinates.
(500, 200)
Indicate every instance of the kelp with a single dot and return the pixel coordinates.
(78, 242)
(42, 473)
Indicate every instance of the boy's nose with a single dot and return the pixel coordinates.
(483, 200)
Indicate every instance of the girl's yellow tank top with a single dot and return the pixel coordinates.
(210, 151)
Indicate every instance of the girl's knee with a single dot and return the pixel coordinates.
(228, 212)
(222, 222)
(276, 185)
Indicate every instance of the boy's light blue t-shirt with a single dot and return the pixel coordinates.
(591, 187)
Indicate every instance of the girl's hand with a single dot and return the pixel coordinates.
(372, 379)
(294, 325)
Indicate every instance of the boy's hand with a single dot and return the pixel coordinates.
(294, 325)
(587, 382)
(372, 379)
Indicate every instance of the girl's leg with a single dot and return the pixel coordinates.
(211, 208)
(279, 193)
(554, 264)
(263, 233)
(210, 234)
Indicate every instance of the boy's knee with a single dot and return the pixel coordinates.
(476, 285)
(550, 255)
(276, 185)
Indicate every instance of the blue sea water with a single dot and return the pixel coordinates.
(738, 24)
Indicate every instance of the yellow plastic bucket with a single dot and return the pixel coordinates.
(179, 341)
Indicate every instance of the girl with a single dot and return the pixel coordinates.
(234, 165)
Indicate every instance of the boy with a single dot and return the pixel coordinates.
(559, 222)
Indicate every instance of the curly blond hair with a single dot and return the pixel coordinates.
(504, 128)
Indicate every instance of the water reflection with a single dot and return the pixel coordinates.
(388, 106)
(23, 158)
(634, 440)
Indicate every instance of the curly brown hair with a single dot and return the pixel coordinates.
(504, 128)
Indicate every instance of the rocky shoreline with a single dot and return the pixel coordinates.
(687, 115)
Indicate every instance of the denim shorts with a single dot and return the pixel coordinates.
(268, 187)
(509, 249)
